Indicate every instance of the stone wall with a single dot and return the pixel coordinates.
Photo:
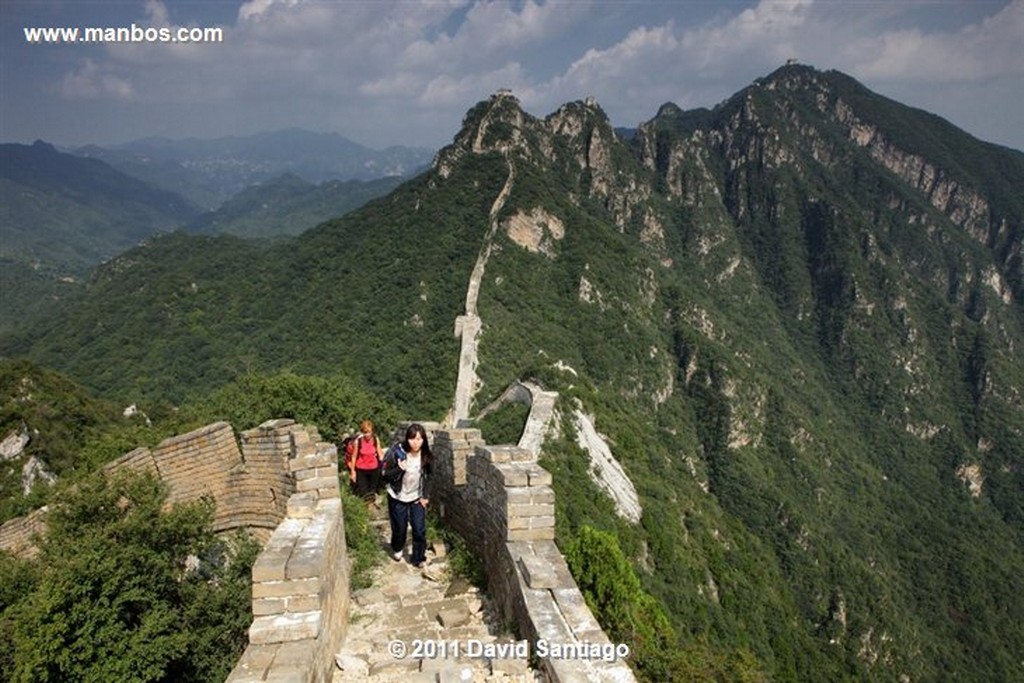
(501, 502)
(249, 485)
(18, 535)
(300, 579)
(281, 484)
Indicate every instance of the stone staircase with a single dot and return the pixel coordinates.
(425, 625)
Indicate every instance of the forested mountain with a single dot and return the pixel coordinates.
(68, 213)
(795, 317)
(60, 216)
(288, 205)
(209, 172)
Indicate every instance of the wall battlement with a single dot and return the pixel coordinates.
(282, 481)
(501, 502)
(301, 578)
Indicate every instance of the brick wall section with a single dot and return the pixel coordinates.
(250, 485)
(284, 480)
(18, 535)
(300, 579)
(501, 502)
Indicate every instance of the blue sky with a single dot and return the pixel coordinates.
(405, 72)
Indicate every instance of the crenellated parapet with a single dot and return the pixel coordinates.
(500, 500)
(301, 578)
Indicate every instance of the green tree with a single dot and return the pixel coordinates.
(627, 612)
(128, 591)
(332, 404)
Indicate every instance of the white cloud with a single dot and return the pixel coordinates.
(156, 12)
(255, 10)
(92, 81)
(359, 66)
(993, 47)
(448, 91)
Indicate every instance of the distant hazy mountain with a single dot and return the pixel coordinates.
(208, 172)
(797, 319)
(67, 213)
(60, 215)
(288, 205)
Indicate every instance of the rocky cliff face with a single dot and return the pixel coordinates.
(808, 294)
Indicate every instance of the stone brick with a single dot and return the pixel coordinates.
(279, 423)
(512, 666)
(283, 628)
(299, 652)
(543, 534)
(531, 510)
(541, 522)
(270, 564)
(289, 674)
(493, 454)
(539, 476)
(523, 455)
(453, 613)
(253, 664)
(303, 603)
(531, 496)
(286, 589)
(306, 562)
(575, 611)
(513, 475)
(262, 607)
(316, 483)
(313, 459)
(537, 573)
(302, 505)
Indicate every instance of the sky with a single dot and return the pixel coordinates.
(404, 73)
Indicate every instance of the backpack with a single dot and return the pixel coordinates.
(389, 470)
(347, 450)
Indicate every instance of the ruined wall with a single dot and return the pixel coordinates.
(501, 502)
(17, 536)
(250, 485)
(301, 579)
(281, 484)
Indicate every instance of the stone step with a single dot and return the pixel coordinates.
(408, 612)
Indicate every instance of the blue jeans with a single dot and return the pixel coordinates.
(401, 515)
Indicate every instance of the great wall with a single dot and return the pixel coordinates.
(280, 481)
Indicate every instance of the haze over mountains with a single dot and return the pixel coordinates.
(796, 318)
(65, 213)
(208, 172)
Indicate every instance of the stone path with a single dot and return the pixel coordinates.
(408, 609)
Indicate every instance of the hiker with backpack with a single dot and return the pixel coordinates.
(363, 456)
(406, 472)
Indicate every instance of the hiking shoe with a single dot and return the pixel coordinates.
(420, 565)
(397, 556)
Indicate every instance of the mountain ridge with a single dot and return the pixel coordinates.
(798, 338)
(209, 171)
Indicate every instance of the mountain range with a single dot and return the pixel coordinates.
(795, 318)
(289, 205)
(210, 171)
(63, 214)
(72, 213)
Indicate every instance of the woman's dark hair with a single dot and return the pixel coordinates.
(417, 428)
